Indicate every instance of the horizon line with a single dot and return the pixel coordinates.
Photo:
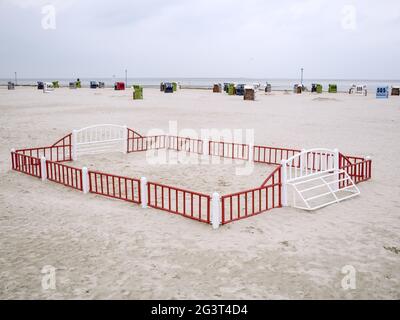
(176, 77)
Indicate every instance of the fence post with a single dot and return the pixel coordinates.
(43, 168)
(284, 183)
(166, 141)
(143, 191)
(204, 146)
(85, 180)
(302, 156)
(336, 166)
(125, 140)
(74, 142)
(215, 211)
(368, 167)
(13, 159)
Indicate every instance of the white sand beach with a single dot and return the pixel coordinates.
(110, 249)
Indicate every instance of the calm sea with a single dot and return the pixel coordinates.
(277, 84)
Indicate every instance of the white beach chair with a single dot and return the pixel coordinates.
(358, 89)
(48, 87)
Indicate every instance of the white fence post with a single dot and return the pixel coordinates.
(251, 152)
(215, 211)
(336, 166)
(74, 143)
(125, 140)
(302, 158)
(85, 180)
(143, 191)
(43, 168)
(284, 183)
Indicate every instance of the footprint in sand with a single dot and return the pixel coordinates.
(287, 245)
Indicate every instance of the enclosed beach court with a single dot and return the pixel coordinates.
(154, 254)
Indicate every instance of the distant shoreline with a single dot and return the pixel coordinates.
(278, 85)
(183, 87)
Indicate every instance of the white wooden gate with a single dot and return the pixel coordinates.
(315, 178)
(99, 139)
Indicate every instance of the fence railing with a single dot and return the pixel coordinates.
(187, 203)
(60, 151)
(26, 164)
(114, 186)
(66, 144)
(185, 144)
(359, 169)
(274, 177)
(272, 155)
(228, 150)
(248, 203)
(146, 143)
(46, 162)
(133, 134)
(251, 202)
(346, 160)
(53, 153)
(65, 175)
(319, 161)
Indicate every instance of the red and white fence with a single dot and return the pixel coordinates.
(47, 163)
(138, 144)
(251, 202)
(190, 204)
(59, 152)
(185, 144)
(65, 175)
(229, 150)
(26, 164)
(272, 155)
(359, 169)
(114, 186)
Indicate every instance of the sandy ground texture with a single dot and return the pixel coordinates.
(103, 248)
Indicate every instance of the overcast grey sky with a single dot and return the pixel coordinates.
(351, 39)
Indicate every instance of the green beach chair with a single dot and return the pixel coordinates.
(319, 88)
(56, 84)
(137, 92)
(174, 86)
(332, 88)
(231, 89)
